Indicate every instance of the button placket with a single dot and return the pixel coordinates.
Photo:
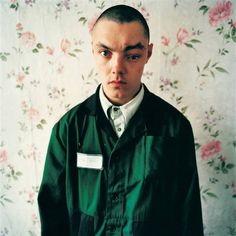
(111, 228)
(117, 120)
(114, 226)
(115, 197)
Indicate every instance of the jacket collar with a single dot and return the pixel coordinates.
(92, 105)
(153, 117)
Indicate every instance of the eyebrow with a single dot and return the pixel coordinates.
(128, 48)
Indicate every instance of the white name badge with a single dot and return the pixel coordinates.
(90, 161)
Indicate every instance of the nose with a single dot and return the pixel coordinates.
(118, 65)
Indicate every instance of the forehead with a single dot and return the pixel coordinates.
(114, 32)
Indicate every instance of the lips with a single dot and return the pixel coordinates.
(117, 82)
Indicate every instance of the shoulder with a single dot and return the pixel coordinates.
(159, 106)
(160, 113)
(78, 112)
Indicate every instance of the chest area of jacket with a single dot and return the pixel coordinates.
(136, 155)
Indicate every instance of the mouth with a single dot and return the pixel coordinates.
(117, 82)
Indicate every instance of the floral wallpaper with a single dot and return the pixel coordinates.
(46, 67)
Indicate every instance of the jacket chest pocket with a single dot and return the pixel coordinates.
(161, 156)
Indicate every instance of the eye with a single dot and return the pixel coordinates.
(105, 53)
(134, 57)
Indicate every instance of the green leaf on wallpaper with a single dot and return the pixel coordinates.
(210, 194)
(207, 65)
(215, 64)
(164, 53)
(204, 9)
(212, 74)
(4, 55)
(102, 5)
(77, 50)
(213, 180)
(207, 189)
(231, 231)
(43, 121)
(184, 109)
(234, 143)
(4, 199)
(14, 6)
(18, 173)
(220, 30)
(189, 45)
(197, 146)
(220, 69)
(72, 54)
(207, 193)
(233, 32)
(227, 36)
(31, 233)
(39, 126)
(216, 134)
(230, 166)
(39, 46)
(83, 19)
(234, 37)
(195, 41)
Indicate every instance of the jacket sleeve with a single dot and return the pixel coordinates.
(190, 203)
(51, 197)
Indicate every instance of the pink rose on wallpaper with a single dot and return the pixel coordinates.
(165, 41)
(3, 156)
(181, 35)
(210, 149)
(28, 39)
(50, 51)
(20, 77)
(221, 12)
(174, 61)
(234, 24)
(19, 27)
(33, 113)
(35, 219)
(65, 45)
(30, 111)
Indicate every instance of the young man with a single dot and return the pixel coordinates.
(123, 161)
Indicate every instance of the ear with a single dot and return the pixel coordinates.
(150, 47)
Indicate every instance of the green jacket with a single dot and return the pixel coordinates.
(148, 183)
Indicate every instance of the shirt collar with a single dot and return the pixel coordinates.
(128, 109)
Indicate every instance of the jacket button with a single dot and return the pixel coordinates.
(115, 197)
(111, 228)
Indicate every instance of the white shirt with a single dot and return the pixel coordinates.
(119, 116)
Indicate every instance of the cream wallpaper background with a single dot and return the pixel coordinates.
(46, 67)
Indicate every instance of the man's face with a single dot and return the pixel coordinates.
(120, 51)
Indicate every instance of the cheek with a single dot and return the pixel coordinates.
(137, 70)
(102, 66)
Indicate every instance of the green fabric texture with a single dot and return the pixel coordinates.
(148, 184)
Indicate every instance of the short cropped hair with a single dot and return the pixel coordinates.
(124, 14)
